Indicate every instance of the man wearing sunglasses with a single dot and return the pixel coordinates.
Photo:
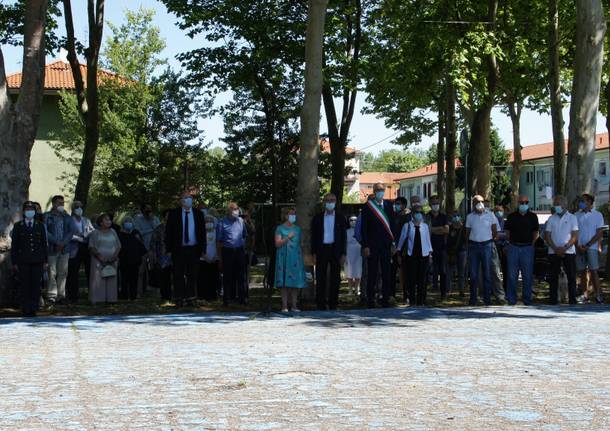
(521, 230)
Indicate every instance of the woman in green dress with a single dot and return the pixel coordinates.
(289, 267)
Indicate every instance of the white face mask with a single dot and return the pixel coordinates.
(235, 213)
(480, 206)
(60, 209)
(435, 207)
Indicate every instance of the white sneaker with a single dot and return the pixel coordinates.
(296, 310)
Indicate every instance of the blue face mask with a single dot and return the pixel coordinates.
(558, 209)
(29, 214)
(523, 208)
(128, 226)
(499, 214)
(292, 218)
(379, 195)
(187, 202)
(457, 219)
(398, 208)
(330, 206)
(418, 217)
(581, 205)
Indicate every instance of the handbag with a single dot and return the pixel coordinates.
(108, 271)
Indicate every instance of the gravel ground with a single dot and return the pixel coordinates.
(496, 368)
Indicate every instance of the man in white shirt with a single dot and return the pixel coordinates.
(481, 230)
(561, 233)
(590, 227)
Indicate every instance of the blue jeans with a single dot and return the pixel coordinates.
(480, 257)
(519, 259)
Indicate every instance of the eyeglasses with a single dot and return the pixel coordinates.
(524, 202)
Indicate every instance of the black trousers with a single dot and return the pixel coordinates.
(233, 269)
(395, 269)
(209, 281)
(185, 262)
(72, 282)
(129, 281)
(439, 271)
(165, 283)
(379, 257)
(415, 276)
(30, 281)
(327, 290)
(569, 266)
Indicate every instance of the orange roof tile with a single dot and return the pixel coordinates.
(379, 177)
(543, 151)
(57, 76)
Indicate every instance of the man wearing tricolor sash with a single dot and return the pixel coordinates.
(378, 244)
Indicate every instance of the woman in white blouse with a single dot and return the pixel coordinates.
(415, 248)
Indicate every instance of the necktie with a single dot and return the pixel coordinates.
(186, 228)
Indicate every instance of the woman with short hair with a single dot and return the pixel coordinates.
(289, 266)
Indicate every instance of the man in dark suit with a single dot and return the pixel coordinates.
(185, 240)
(378, 243)
(329, 247)
(29, 255)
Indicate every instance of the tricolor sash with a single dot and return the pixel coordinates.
(381, 216)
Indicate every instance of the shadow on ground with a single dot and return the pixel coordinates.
(395, 317)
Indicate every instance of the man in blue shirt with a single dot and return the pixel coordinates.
(230, 240)
(59, 234)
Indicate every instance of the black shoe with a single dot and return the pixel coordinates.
(179, 303)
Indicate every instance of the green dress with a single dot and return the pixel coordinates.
(289, 267)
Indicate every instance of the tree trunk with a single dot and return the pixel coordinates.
(18, 128)
(559, 158)
(514, 110)
(479, 153)
(337, 146)
(451, 148)
(308, 185)
(338, 134)
(440, 154)
(88, 102)
(590, 31)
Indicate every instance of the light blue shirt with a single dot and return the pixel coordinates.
(231, 232)
(329, 228)
(192, 236)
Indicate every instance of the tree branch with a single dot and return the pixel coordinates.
(73, 60)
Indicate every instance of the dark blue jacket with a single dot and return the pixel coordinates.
(374, 234)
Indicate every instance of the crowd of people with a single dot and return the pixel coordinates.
(182, 254)
(396, 244)
(191, 253)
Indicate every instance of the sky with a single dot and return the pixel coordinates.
(367, 131)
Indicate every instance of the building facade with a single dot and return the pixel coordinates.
(536, 177)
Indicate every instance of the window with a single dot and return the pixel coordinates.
(601, 170)
(529, 177)
(418, 190)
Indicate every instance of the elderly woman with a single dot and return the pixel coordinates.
(415, 246)
(104, 247)
(289, 267)
(130, 258)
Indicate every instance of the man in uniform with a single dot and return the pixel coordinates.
(29, 256)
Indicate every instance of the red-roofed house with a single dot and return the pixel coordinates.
(46, 167)
(536, 175)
